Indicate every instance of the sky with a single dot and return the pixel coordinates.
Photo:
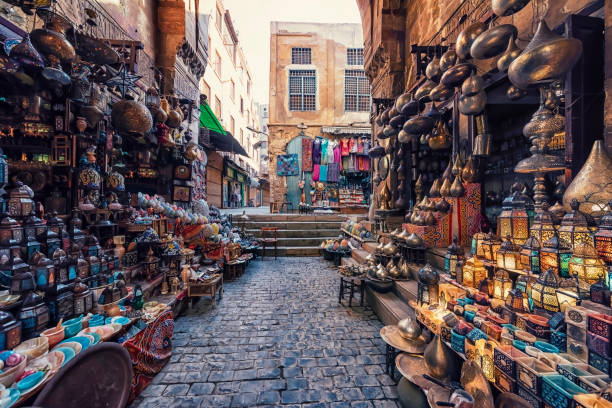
(252, 21)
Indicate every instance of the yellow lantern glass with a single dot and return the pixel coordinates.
(514, 300)
(508, 256)
(544, 291)
(502, 284)
(543, 227)
(477, 248)
(555, 255)
(574, 227)
(453, 255)
(603, 237)
(529, 255)
(474, 272)
(586, 265)
(490, 247)
(513, 220)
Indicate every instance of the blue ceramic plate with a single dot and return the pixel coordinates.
(84, 341)
(96, 337)
(67, 352)
(14, 394)
(122, 320)
(30, 381)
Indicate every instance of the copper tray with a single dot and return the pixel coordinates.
(391, 335)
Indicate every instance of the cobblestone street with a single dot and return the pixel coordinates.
(278, 337)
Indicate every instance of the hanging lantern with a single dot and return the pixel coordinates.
(427, 287)
(514, 220)
(574, 227)
(544, 291)
(20, 203)
(115, 181)
(490, 247)
(555, 255)
(524, 282)
(530, 255)
(477, 243)
(502, 284)
(603, 237)
(474, 272)
(82, 267)
(508, 256)
(453, 255)
(585, 264)
(514, 301)
(53, 242)
(543, 227)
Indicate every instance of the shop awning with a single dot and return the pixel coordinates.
(209, 120)
(222, 140)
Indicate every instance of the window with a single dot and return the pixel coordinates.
(217, 63)
(218, 20)
(356, 91)
(218, 107)
(354, 56)
(302, 90)
(301, 56)
(232, 89)
(206, 91)
(241, 137)
(232, 124)
(241, 105)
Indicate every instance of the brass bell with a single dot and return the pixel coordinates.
(422, 94)
(507, 7)
(473, 85)
(455, 75)
(441, 93)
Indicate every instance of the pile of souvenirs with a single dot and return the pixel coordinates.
(334, 249)
(356, 229)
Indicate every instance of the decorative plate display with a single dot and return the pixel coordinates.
(182, 172)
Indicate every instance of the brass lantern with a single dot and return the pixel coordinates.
(530, 255)
(427, 287)
(603, 237)
(474, 272)
(524, 282)
(490, 246)
(555, 255)
(477, 243)
(515, 301)
(60, 260)
(82, 267)
(20, 203)
(502, 284)
(543, 227)
(453, 255)
(585, 264)
(574, 227)
(544, 291)
(514, 220)
(508, 256)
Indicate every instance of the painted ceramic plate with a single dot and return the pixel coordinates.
(122, 320)
(67, 352)
(82, 340)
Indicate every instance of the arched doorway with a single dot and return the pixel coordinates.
(293, 190)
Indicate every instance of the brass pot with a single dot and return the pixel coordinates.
(441, 138)
(390, 249)
(493, 41)
(457, 166)
(434, 191)
(513, 93)
(401, 101)
(441, 93)
(414, 241)
(405, 270)
(507, 7)
(445, 188)
(131, 117)
(403, 235)
(174, 119)
(469, 171)
(429, 218)
(394, 272)
(397, 121)
(409, 328)
(473, 85)
(419, 125)
(466, 38)
(379, 248)
(457, 189)
(455, 75)
(439, 359)
(389, 131)
(381, 273)
(432, 71)
(592, 187)
(412, 107)
(448, 60)
(51, 40)
(403, 136)
(94, 50)
(547, 57)
(512, 51)
(422, 94)
(472, 105)
(371, 259)
(414, 218)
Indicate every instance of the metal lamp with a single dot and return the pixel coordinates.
(477, 243)
(574, 227)
(530, 255)
(474, 272)
(555, 255)
(502, 284)
(585, 264)
(603, 236)
(453, 255)
(544, 291)
(543, 227)
(508, 256)
(490, 246)
(514, 219)
(514, 301)
(427, 287)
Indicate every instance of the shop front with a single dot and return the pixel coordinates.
(235, 185)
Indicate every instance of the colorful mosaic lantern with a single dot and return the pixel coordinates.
(508, 256)
(544, 291)
(574, 227)
(20, 203)
(603, 237)
(427, 287)
(524, 282)
(530, 255)
(490, 246)
(474, 272)
(43, 270)
(543, 227)
(586, 265)
(502, 284)
(453, 255)
(555, 255)
(514, 220)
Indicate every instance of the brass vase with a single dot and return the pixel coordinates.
(448, 59)
(434, 191)
(445, 189)
(466, 38)
(439, 360)
(469, 171)
(441, 138)
(131, 118)
(493, 42)
(457, 189)
(592, 186)
(512, 51)
(457, 166)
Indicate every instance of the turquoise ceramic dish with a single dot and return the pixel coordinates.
(14, 393)
(30, 381)
(82, 340)
(546, 347)
(95, 336)
(72, 326)
(122, 320)
(67, 352)
(517, 344)
(5, 354)
(96, 320)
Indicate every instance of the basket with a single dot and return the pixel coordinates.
(558, 391)
(505, 357)
(530, 372)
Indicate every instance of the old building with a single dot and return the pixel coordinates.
(318, 88)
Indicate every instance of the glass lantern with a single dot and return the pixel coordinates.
(515, 301)
(600, 293)
(555, 255)
(11, 233)
(474, 272)
(585, 264)
(502, 284)
(508, 256)
(453, 255)
(43, 270)
(82, 268)
(530, 255)
(55, 224)
(94, 265)
(31, 225)
(74, 228)
(60, 260)
(603, 236)
(490, 246)
(20, 203)
(513, 221)
(543, 227)
(477, 240)
(574, 227)
(544, 291)
(427, 286)
(524, 282)
(11, 267)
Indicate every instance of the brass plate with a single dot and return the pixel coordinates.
(391, 335)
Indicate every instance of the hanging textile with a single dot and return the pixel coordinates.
(287, 165)
(316, 152)
(323, 172)
(344, 147)
(315, 172)
(333, 172)
(337, 155)
(324, 144)
(330, 152)
(306, 154)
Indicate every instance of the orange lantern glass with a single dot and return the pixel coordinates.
(543, 227)
(574, 227)
(508, 256)
(514, 220)
(474, 272)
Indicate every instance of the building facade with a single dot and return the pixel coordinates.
(318, 88)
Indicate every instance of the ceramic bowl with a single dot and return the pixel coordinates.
(72, 326)
(67, 352)
(96, 320)
(106, 332)
(30, 381)
(7, 377)
(122, 320)
(6, 300)
(33, 348)
(54, 335)
(52, 360)
(82, 340)
(8, 400)
(97, 338)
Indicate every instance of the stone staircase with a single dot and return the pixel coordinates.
(298, 235)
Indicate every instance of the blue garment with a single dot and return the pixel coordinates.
(324, 144)
(323, 173)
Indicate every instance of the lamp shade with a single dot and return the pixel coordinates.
(514, 301)
(586, 264)
(490, 246)
(544, 291)
(574, 227)
(502, 284)
(555, 255)
(543, 227)
(530, 255)
(474, 272)
(477, 240)
(427, 287)
(508, 256)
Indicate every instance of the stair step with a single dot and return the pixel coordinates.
(299, 233)
(302, 242)
(406, 290)
(291, 217)
(359, 255)
(293, 251)
(389, 308)
(291, 225)
(370, 247)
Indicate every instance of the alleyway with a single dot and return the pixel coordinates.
(278, 337)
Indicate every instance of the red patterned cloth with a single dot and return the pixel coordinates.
(306, 154)
(150, 350)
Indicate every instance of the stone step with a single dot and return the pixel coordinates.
(406, 290)
(349, 262)
(359, 255)
(302, 242)
(291, 225)
(291, 217)
(292, 251)
(389, 308)
(370, 247)
(299, 233)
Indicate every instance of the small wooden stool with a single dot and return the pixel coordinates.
(274, 207)
(208, 288)
(269, 236)
(351, 285)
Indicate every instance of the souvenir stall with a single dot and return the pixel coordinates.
(505, 221)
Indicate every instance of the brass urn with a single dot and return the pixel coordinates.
(131, 118)
(439, 359)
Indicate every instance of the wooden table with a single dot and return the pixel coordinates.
(350, 284)
(208, 288)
